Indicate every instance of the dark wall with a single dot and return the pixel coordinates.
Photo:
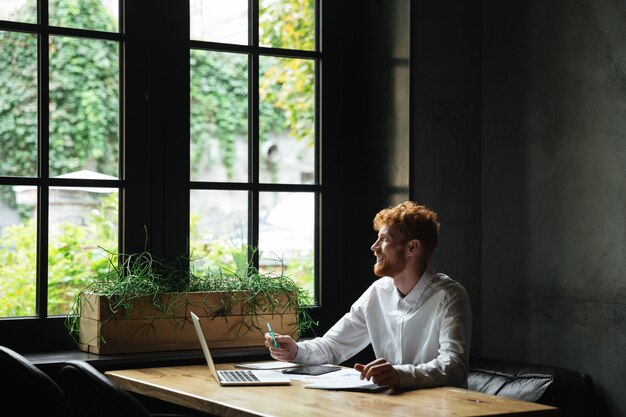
(445, 136)
(518, 125)
(554, 189)
(365, 157)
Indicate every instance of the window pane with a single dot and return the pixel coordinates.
(219, 116)
(219, 21)
(18, 104)
(18, 250)
(218, 229)
(286, 120)
(287, 24)
(286, 235)
(101, 15)
(19, 10)
(83, 227)
(84, 105)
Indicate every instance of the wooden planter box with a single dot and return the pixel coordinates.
(229, 319)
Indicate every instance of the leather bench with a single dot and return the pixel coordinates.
(570, 391)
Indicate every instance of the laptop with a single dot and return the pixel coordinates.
(237, 377)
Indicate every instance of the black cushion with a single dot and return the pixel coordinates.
(570, 391)
(91, 394)
(27, 389)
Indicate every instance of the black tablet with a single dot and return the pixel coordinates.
(312, 369)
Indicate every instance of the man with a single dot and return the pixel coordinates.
(417, 321)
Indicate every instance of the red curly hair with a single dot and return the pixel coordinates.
(415, 221)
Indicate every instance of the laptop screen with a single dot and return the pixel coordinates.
(205, 347)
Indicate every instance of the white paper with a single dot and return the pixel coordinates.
(344, 379)
(267, 365)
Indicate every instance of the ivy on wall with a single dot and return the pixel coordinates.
(84, 86)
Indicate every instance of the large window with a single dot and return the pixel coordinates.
(90, 154)
(253, 135)
(60, 178)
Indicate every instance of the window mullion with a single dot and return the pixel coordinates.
(317, 235)
(121, 225)
(253, 131)
(43, 75)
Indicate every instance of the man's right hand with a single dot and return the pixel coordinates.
(380, 371)
(287, 347)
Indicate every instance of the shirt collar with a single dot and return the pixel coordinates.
(414, 296)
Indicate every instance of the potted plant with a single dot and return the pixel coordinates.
(141, 304)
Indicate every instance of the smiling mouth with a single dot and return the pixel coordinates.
(379, 259)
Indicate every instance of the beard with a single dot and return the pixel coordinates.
(388, 269)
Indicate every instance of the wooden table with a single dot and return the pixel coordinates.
(194, 387)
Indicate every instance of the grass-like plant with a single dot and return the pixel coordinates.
(141, 276)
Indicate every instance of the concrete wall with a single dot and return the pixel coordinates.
(445, 136)
(554, 189)
(518, 141)
(365, 161)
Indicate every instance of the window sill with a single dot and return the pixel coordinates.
(55, 359)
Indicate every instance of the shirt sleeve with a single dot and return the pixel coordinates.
(342, 341)
(451, 366)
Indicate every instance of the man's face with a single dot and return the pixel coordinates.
(390, 252)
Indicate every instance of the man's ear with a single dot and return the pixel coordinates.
(415, 246)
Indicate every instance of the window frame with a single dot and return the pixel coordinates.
(254, 186)
(153, 180)
(43, 30)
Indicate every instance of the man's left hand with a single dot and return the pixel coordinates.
(380, 371)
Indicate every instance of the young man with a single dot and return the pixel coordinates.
(418, 321)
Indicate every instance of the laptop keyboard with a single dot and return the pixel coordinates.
(239, 376)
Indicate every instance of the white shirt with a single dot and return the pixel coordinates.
(425, 335)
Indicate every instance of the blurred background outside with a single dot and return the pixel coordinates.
(84, 144)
